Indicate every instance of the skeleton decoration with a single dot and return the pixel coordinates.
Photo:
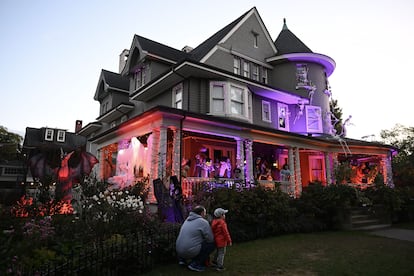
(299, 113)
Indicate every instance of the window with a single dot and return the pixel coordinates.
(255, 72)
(61, 136)
(317, 172)
(313, 119)
(266, 113)
(49, 134)
(139, 77)
(217, 98)
(264, 75)
(255, 40)
(178, 96)
(246, 69)
(302, 76)
(236, 66)
(282, 116)
(229, 99)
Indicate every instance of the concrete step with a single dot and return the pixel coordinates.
(372, 227)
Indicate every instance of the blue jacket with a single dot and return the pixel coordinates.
(193, 232)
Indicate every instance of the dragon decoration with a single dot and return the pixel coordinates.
(70, 170)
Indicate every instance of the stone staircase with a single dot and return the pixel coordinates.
(363, 219)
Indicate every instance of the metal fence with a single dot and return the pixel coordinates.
(120, 255)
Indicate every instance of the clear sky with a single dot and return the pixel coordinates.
(52, 52)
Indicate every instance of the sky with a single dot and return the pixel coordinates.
(52, 52)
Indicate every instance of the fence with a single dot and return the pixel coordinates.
(120, 255)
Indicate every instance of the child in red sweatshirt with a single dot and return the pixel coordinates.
(221, 237)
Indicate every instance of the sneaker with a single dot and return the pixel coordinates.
(220, 268)
(195, 267)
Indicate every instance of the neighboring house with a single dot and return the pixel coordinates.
(12, 181)
(45, 148)
(238, 106)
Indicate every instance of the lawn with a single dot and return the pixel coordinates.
(325, 253)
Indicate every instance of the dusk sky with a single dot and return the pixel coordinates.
(52, 52)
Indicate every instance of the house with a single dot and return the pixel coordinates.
(234, 109)
(56, 158)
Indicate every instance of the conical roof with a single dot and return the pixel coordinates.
(288, 43)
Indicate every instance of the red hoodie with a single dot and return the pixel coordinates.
(221, 233)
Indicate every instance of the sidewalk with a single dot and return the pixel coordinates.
(395, 233)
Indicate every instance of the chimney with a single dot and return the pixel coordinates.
(187, 49)
(78, 126)
(123, 57)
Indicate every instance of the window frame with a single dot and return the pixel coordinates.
(313, 118)
(236, 65)
(177, 90)
(61, 136)
(264, 75)
(246, 69)
(266, 118)
(49, 134)
(283, 117)
(227, 99)
(321, 171)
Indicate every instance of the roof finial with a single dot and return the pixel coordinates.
(284, 24)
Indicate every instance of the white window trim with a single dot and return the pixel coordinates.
(264, 75)
(246, 97)
(281, 106)
(236, 65)
(49, 134)
(310, 110)
(246, 69)
(264, 104)
(255, 72)
(61, 135)
(177, 89)
(312, 157)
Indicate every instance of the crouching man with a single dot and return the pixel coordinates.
(195, 242)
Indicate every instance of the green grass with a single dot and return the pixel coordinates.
(325, 253)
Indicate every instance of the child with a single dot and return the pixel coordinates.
(221, 236)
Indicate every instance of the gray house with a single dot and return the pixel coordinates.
(240, 108)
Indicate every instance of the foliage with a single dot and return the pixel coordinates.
(336, 115)
(402, 138)
(9, 144)
(328, 205)
(343, 173)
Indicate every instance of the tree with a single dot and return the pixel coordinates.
(10, 144)
(336, 115)
(402, 138)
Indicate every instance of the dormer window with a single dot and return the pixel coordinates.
(61, 136)
(139, 76)
(49, 134)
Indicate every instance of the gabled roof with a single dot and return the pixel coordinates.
(287, 42)
(201, 50)
(154, 49)
(207, 46)
(111, 80)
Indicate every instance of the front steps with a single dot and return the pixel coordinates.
(362, 218)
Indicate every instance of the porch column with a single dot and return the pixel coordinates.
(249, 161)
(162, 151)
(176, 162)
(240, 156)
(335, 164)
(328, 168)
(292, 178)
(298, 177)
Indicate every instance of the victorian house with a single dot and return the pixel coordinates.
(241, 108)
